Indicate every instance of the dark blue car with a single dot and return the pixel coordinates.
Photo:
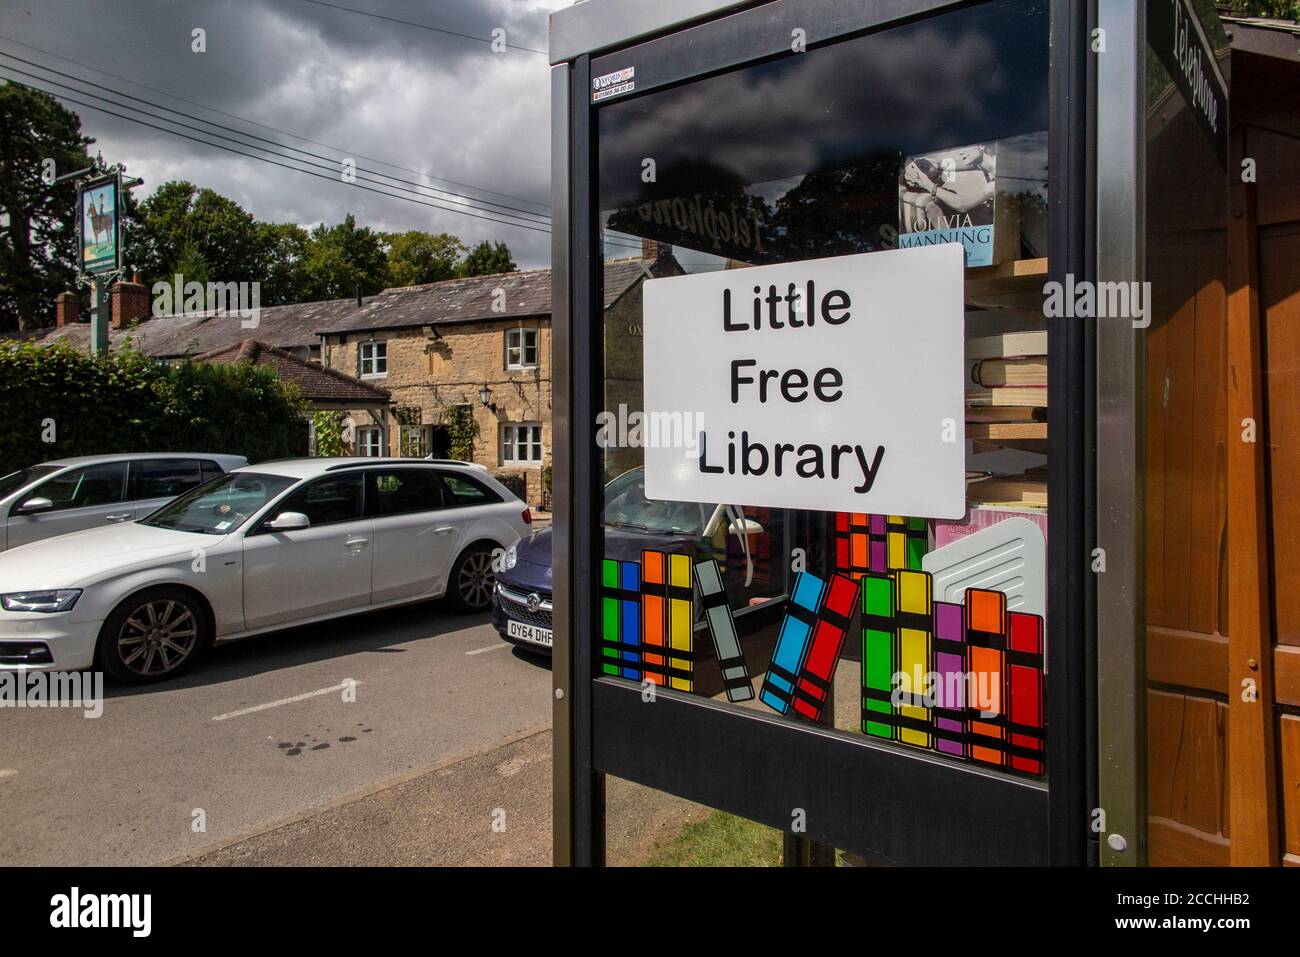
(521, 601)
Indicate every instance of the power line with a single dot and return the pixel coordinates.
(254, 136)
(274, 129)
(264, 159)
(422, 26)
(333, 178)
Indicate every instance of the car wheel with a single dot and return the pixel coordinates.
(152, 636)
(472, 580)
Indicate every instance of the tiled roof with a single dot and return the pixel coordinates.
(317, 384)
(167, 337)
(525, 294)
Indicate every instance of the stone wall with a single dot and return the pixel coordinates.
(433, 375)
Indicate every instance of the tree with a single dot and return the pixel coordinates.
(38, 221)
(198, 234)
(416, 257)
(487, 259)
(284, 246)
(340, 258)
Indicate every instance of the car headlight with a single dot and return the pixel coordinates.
(52, 600)
(511, 556)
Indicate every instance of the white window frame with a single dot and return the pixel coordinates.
(363, 433)
(517, 342)
(378, 353)
(424, 444)
(532, 443)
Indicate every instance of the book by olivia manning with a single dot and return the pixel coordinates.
(948, 196)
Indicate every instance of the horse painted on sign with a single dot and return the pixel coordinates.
(100, 221)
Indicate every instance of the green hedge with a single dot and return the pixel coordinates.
(128, 402)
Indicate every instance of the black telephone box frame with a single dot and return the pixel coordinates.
(889, 804)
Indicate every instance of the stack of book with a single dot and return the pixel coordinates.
(1006, 407)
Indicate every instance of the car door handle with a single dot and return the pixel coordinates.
(119, 517)
(357, 542)
(444, 529)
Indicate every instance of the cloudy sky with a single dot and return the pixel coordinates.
(432, 103)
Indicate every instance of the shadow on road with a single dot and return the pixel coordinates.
(378, 632)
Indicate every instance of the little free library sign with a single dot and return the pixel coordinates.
(829, 384)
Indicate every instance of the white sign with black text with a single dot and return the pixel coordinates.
(830, 384)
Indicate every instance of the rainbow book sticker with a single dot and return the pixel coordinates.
(965, 680)
(986, 626)
(647, 611)
(620, 636)
(808, 645)
(878, 655)
(722, 627)
(817, 676)
(1025, 692)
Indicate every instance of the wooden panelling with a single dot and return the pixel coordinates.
(1286, 675)
(1289, 738)
(1186, 768)
(1253, 783)
(1186, 487)
(1187, 659)
(1207, 517)
(1279, 277)
(1170, 844)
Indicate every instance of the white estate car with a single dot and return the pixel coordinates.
(262, 548)
(67, 495)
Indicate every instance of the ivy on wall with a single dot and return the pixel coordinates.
(329, 433)
(461, 430)
(59, 401)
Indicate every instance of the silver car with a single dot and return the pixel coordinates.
(67, 495)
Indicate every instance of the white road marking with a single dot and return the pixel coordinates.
(275, 704)
(497, 647)
(8, 772)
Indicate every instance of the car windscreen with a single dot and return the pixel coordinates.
(627, 507)
(221, 505)
(13, 481)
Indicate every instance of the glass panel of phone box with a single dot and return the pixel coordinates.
(924, 633)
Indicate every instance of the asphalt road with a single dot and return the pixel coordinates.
(257, 733)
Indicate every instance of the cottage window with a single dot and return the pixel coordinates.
(370, 441)
(372, 357)
(521, 348)
(521, 443)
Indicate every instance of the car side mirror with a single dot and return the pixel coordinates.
(33, 505)
(746, 526)
(289, 522)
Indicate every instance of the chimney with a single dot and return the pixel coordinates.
(649, 250)
(358, 295)
(67, 309)
(130, 301)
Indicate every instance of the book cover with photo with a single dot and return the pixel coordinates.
(948, 196)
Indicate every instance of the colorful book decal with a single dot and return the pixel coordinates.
(648, 617)
(808, 645)
(722, 627)
(962, 679)
(877, 543)
(646, 620)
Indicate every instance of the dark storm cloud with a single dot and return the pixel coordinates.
(442, 104)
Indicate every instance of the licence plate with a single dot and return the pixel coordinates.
(538, 636)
